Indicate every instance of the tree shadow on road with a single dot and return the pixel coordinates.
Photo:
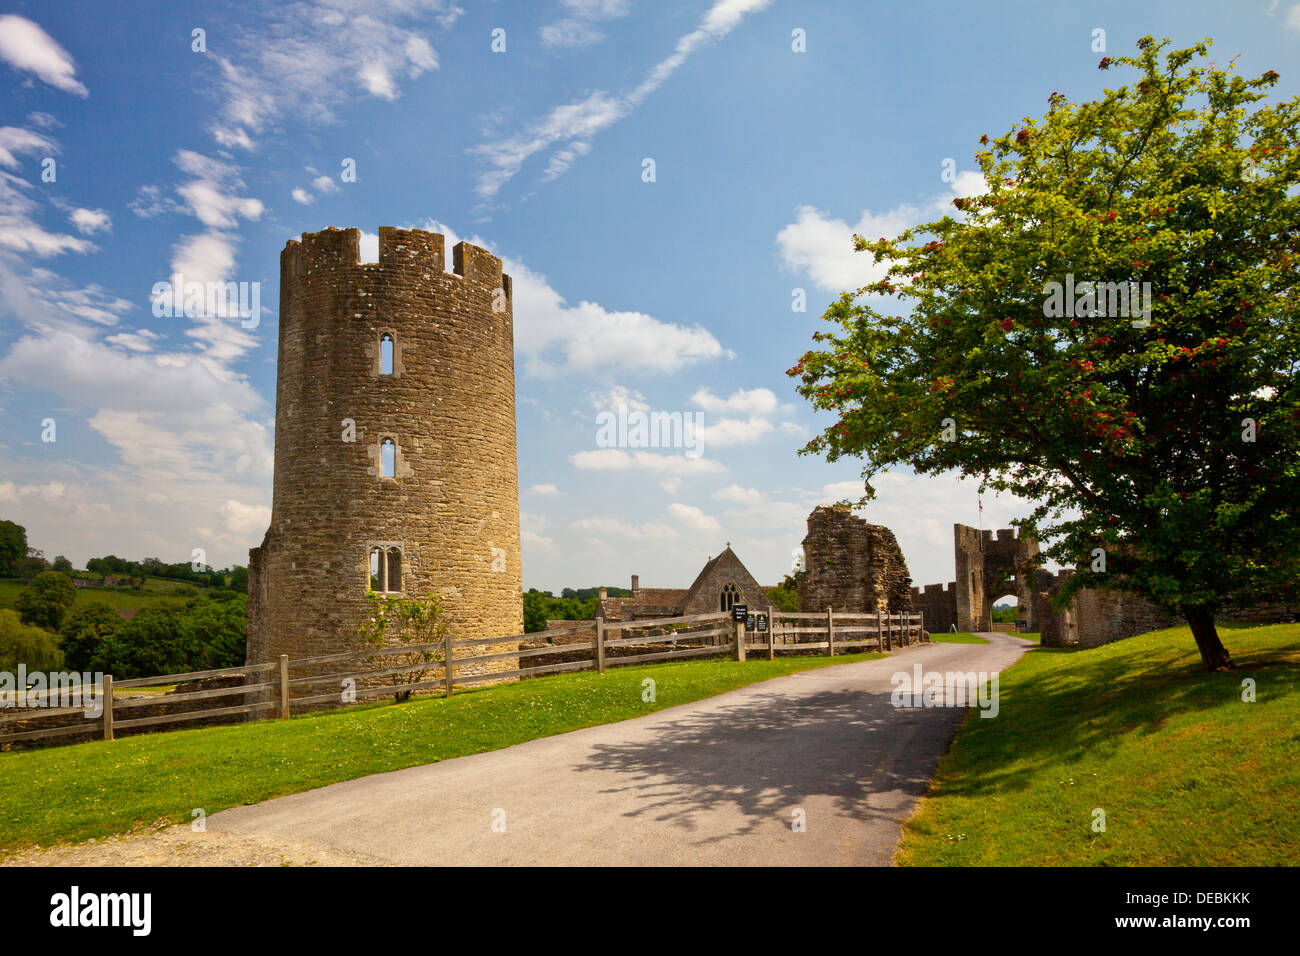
(772, 752)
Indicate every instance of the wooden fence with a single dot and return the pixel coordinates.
(617, 643)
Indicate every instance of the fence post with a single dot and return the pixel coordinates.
(771, 633)
(447, 668)
(889, 631)
(107, 692)
(284, 686)
(740, 640)
(920, 631)
(830, 633)
(600, 645)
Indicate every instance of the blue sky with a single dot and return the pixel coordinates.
(672, 295)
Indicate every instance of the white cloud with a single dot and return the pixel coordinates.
(140, 340)
(554, 337)
(90, 221)
(758, 405)
(17, 140)
(618, 395)
(571, 33)
(756, 401)
(249, 521)
(166, 415)
(302, 196)
(210, 194)
(546, 489)
(733, 431)
(693, 520)
(616, 459)
(325, 184)
(739, 495)
(579, 121)
(821, 247)
(25, 46)
(615, 527)
(19, 231)
(1292, 20)
(311, 58)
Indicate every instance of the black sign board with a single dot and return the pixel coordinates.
(751, 621)
(739, 612)
(1022, 625)
(762, 622)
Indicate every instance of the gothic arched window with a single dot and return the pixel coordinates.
(730, 596)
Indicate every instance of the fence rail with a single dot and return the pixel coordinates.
(613, 644)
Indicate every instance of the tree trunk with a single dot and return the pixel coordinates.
(1213, 654)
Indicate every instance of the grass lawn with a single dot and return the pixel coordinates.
(1187, 773)
(73, 793)
(155, 592)
(958, 637)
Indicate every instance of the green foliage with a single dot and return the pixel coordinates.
(1006, 615)
(27, 644)
(1131, 437)
(541, 606)
(204, 634)
(415, 621)
(13, 545)
(84, 629)
(785, 596)
(62, 564)
(46, 600)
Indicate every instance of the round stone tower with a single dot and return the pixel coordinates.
(395, 461)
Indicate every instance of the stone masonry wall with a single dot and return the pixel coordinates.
(851, 565)
(938, 605)
(453, 508)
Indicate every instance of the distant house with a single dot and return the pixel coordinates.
(722, 582)
(127, 612)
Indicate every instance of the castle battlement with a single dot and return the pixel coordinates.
(334, 249)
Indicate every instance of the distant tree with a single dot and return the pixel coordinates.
(44, 602)
(239, 579)
(84, 629)
(535, 609)
(31, 565)
(13, 546)
(204, 634)
(27, 644)
(62, 564)
(785, 596)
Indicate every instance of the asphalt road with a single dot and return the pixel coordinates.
(720, 781)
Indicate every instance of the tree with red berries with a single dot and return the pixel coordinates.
(1109, 331)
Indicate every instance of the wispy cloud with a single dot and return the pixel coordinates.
(309, 59)
(575, 123)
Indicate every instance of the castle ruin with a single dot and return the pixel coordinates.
(987, 568)
(852, 566)
(395, 457)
